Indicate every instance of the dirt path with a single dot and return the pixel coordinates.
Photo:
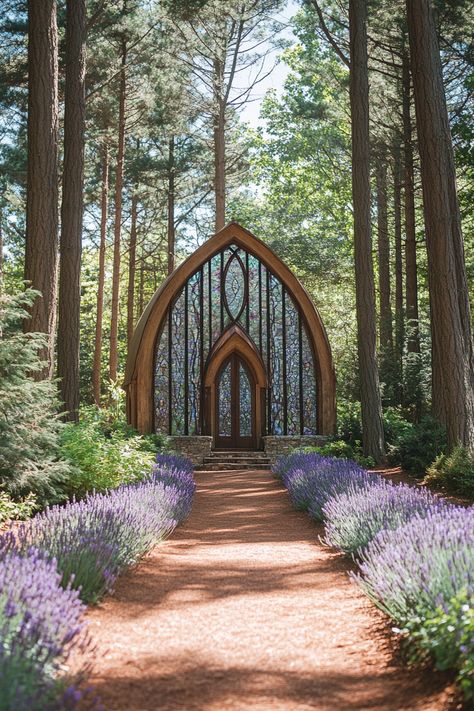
(243, 609)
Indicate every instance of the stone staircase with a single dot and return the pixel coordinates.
(227, 460)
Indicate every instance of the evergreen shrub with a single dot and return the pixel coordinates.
(30, 427)
(419, 445)
(454, 472)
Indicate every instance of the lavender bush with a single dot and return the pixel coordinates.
(353, 518)
(422, 565)
(93, 540)
(312, 480)
(175, 462)
(40, 623)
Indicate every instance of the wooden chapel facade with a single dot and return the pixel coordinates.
(231, 353)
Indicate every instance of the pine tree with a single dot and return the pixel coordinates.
(29, 421)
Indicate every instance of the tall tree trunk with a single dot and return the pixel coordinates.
(171, 205)
(131, 270)
(41, 252)
(411, 268)
(386, 336)
(397, 210)
(451, 326)
(1, 248)
(104, 201)
(113, 354)
(141, 287)
(72, 208)
(219, 144)
(372, 428)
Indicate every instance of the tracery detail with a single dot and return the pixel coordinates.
(235, 287)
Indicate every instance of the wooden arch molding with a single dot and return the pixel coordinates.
(234, 340)
(139, 383)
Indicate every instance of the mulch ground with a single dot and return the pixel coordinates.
(244, 608)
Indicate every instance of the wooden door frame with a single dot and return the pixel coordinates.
(234, 340)
(235, 441)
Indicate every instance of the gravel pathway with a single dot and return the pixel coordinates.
(243, 608)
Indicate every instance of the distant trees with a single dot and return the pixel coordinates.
(167, 161)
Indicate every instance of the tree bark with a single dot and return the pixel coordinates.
(371, 406)
(386, 335)
(113, 354)
(451, 326)
(131, 270)
(141, 287)
(72, 208)
(219, 144)
(41, 252)
(96, 372)
(1, 248)
(397, 210)
(411, 268)
(171, 206)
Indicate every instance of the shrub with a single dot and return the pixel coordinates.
(16, 510)
(453, 472)
(418, 446)
(174, 461)
(354, 517)
(342, 450)
(421, 565)
(100, 463)
(30, 456)
(95, 539)
(312, 480)
(446, 634)
(40, 623)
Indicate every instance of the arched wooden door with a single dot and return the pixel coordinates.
(235, 411)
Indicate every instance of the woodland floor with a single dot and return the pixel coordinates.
(243, 608)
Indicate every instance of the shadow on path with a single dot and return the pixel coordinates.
(243, 608)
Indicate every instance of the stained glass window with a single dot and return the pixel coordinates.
(235, 287)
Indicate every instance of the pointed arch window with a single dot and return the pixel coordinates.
(234, 287)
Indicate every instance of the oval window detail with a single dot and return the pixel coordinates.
(235, 287)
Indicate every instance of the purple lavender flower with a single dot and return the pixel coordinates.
(174, 461)
(354, 517)
(40, 623)
(312, 479)
(93, 540)
(422, 564)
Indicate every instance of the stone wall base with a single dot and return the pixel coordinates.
(197, 447)
(277, 445)
(194, 447)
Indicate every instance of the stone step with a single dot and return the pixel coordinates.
(236, 460)
(240, 453)
(226, 466)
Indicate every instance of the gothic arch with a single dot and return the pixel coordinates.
(139, 377)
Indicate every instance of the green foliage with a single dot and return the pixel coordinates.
(446, 634)
(453, 472)
(11, 510)
(30, 457)
(418, 445)
(105, 452)
(343, 450)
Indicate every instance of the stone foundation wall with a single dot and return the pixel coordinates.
(277, 445)
(194, 447)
